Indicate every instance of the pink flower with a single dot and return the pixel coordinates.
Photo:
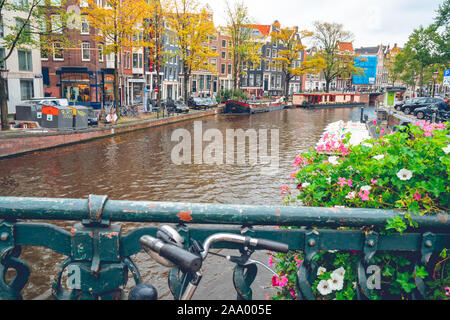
(350, 183)
(364, 195)
(382, 132)
(292, 292)
(447, 291)
(279, 282)
(374, 181)
(284, 189)
(342, 182)
(271, 261)
(374, 122)
(417, 196)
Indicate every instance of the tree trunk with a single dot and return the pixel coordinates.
(3, 104)
(286, 88)
(327, 88)
(186, 77)
(116, 84)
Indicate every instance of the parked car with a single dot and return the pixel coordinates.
(177, 106)
(427, 112)
(212, 102)
(92, 117)
(420, 103)
(197, 103)
(399, 105)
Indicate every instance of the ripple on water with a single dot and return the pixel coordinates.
(138, 166)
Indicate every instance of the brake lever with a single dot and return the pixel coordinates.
(245, 260)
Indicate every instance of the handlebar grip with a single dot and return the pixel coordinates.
(272, 245)
(185, 260)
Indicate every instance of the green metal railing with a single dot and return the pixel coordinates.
(101, 255)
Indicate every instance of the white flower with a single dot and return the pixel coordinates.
(324, 287)
(340, 272)
(329, 180)
(381, 156)
(446, 150)
(368, 145)
(336, 282)
(321, 271)
(351, 195)
(306, 184)
(332, 251)
(405, 175)
(366, 188)
(333, 160)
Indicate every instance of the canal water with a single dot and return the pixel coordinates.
(139, 166)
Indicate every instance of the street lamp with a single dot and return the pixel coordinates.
(435, 75)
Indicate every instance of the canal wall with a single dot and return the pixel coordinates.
(14, 144)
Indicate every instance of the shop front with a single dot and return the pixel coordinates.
(79, 86)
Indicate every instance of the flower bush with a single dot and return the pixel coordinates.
(407, 170)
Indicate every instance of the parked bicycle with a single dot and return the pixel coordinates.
(167, 250)
(129, 111)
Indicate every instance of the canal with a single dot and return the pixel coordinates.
(139, 166)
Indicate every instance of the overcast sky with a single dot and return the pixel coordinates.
(372, 22)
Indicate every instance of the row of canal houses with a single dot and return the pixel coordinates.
(84, 74)
(371, 59)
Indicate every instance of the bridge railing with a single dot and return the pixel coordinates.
(100, 254)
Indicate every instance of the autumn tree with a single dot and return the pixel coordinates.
(26, 25)
(289, 56)
(245, 48)
(190, 28)
(119, 24)
(327, 37)
(154, 33)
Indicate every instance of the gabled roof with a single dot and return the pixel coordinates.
(346, 46)
(367, 50)
(264, 29)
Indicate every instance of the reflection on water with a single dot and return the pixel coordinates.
(138, 166)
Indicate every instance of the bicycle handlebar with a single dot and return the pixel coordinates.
(247, 241)
(185, 260)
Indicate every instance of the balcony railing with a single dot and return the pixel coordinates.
(102, 254)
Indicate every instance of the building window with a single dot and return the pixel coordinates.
(2, 56)
(25, 60)
(26, 89)
(229, 55)
(229, 69)
(202, 82)
(56, 23)
(224, 43)
(137, 60)
(224, 55)
(1, 27)
(222, 68)
(100, 54)
(268, 51)
(208, 82)
(274, 53)
(251, 80)
(26, 33)
(85, 51)
(44, 54)
(84, 25)
(58, 54)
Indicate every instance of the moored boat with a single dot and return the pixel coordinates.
(252, 107)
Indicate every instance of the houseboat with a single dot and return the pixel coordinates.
(252, 107)
(330, 100)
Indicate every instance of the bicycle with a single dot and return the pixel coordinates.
(129, 111)
(167, 250)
